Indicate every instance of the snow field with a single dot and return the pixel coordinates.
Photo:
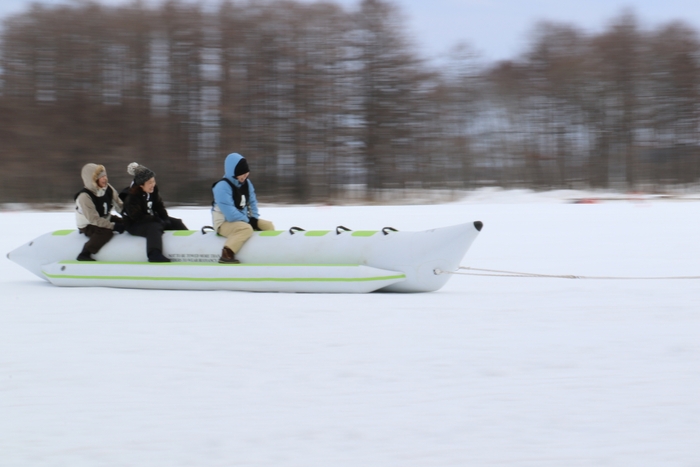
(486, 371)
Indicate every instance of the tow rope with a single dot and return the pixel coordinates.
(501, 273)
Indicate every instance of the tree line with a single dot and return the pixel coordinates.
(325, 102)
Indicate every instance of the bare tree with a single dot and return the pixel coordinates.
(390, 87)
(320, 98)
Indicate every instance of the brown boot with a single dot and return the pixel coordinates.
(228, 256)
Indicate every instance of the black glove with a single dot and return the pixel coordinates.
(253, 223)
(119, 227)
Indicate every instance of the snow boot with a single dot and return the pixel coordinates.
(156, 256)
(84, 256)
(228, 256)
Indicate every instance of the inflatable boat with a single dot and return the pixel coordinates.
(294, 260)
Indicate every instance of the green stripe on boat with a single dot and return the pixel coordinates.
(62, 232)
(270, 233)
(364, 233)
(316, 233)
(202, 263)
(230, 279)
(183, 233)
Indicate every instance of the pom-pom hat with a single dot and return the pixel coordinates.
(141, 173)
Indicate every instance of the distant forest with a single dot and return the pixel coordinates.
(326, 102)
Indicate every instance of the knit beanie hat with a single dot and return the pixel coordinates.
(141, 173)
(241, 168)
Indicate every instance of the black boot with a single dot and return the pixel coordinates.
(156, 256)
(228, 256)
(84, 256)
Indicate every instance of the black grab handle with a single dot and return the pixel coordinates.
(207, 227)
(341, 228)
(292, 230)
(386, 230)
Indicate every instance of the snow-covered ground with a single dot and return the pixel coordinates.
(486, 371)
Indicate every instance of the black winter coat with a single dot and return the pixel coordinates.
(140, 207)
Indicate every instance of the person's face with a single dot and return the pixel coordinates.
(242, 178)
(102, 181)
(149, 185)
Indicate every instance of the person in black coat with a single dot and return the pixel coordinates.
(145, 214)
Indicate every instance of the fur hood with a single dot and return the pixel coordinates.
(90, 174)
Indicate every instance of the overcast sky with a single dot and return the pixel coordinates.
(497, 29)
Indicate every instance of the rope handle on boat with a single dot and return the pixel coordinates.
(293, 230)
(207, 227)
(341, 228)
(501, 273)
(386, 230)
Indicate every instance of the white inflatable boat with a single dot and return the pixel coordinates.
(294, 260)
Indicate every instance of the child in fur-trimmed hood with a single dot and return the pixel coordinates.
(93, 210)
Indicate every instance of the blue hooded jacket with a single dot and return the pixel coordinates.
(223, 194)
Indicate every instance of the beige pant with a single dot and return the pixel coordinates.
(237, 233)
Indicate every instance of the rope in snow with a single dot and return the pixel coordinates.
(500, 273)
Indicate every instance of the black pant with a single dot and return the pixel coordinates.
(153, 231)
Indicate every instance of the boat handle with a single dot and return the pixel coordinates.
(207, 227)
(295, 229)
(341, 228)
(386, 230)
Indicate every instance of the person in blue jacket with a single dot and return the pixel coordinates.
(235, 208)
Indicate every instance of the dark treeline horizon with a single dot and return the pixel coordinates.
(327, 103)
